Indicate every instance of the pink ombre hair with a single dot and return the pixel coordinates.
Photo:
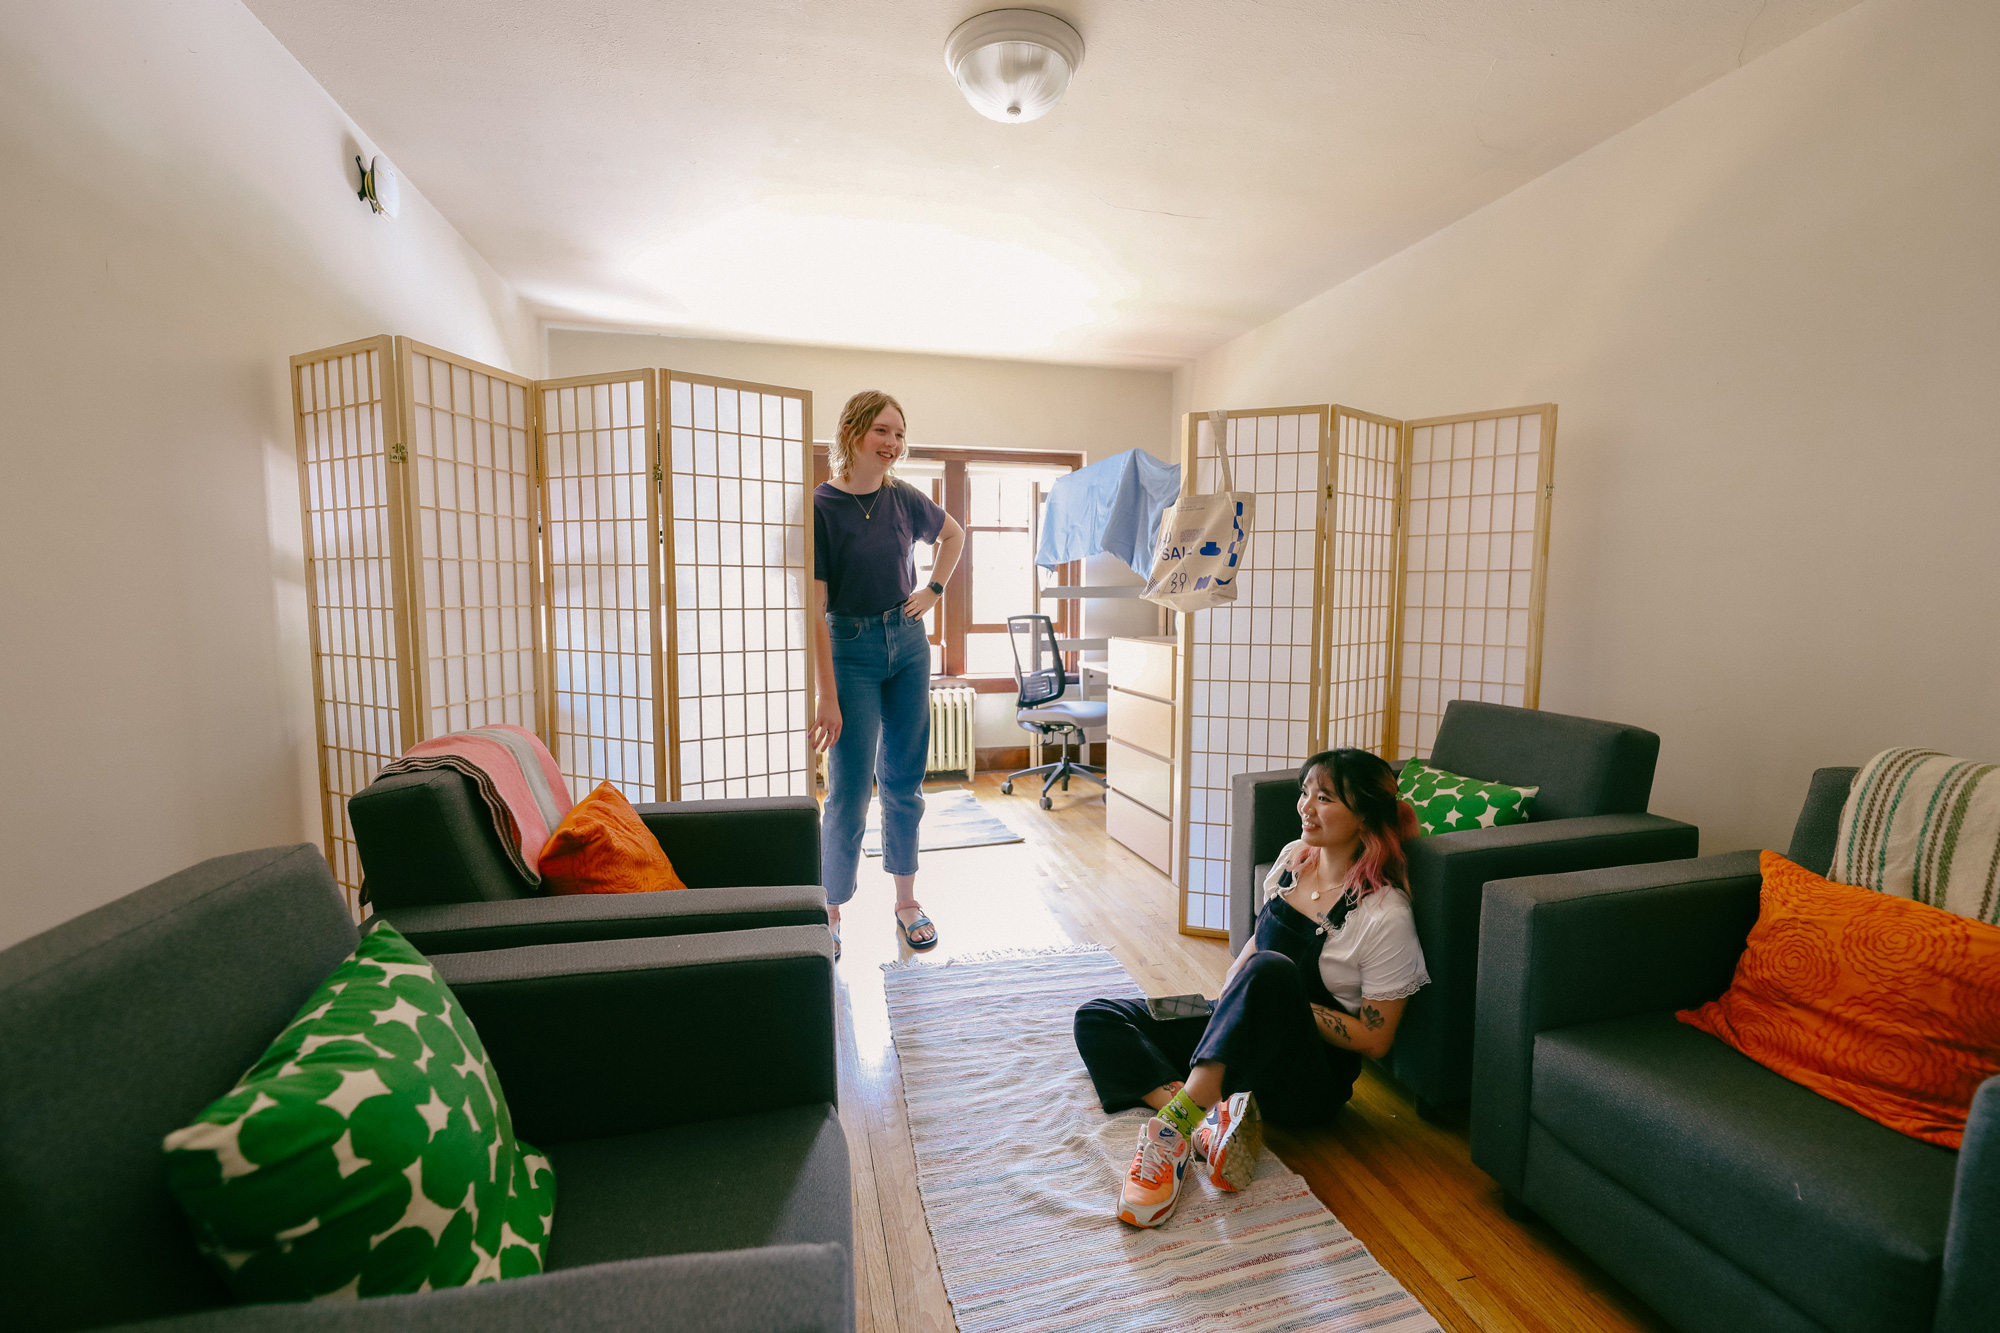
(1367, 786)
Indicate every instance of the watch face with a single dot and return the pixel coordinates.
(937, 588)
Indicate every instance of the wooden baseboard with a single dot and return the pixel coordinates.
(1006, 759)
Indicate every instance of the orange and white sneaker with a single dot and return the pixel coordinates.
(1153, 1185)
(1229, 1141)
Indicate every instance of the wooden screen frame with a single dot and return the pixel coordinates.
(1398, 537)
(1184, 635)
(389, 382)
(410, 563)
(656, 574)
(1325, 554)
(670, 620)
(1531, 692)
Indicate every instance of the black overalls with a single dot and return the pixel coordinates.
(1262, 1031)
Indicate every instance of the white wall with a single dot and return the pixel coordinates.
(177, 221)
(1770, 316)
(964, 401)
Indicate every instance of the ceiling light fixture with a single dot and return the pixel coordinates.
(1013, 65)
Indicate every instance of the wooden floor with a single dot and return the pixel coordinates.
(1405, 1187)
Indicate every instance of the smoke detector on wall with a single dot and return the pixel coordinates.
(1013, 65)
(380, 189)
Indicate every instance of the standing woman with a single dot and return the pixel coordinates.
(872, 659)
(1323, 983)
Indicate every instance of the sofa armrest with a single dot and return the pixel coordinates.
(517, 922)
(729, 844)
(621, 1036)
(1448, 875)
(1969, 1299)
(1263, 817)
(808, 1288)
(1559, 950)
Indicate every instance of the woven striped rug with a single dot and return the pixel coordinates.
(1019, 1170)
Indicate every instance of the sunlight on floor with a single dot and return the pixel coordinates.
(991, 895)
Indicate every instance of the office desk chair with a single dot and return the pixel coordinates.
(1039, 682)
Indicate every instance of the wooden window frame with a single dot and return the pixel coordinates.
(956, 501)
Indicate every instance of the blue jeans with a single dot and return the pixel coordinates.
(882, 677)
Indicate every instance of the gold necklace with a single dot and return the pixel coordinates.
(866, 512)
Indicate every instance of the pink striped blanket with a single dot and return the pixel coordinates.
(516, 776)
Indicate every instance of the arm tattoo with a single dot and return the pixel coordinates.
(1371, 1016)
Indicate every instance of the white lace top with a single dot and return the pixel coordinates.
(1374, 955)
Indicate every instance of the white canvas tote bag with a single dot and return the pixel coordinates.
(1203, 539)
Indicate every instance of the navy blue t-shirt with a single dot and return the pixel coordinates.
(861, 545)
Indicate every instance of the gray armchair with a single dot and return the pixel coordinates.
(1729, 1198)
(435, 869)
(1595, 778)
(683, 1087)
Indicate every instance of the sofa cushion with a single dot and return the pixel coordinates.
(369, 1150)
(1451, 802)
(774, 1178)
(1889, 1006)
(1841, 1216)
(602, 846)
(116, 1027)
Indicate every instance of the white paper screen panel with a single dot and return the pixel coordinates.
(601, 527)
(471, 475)
(738, 653)
(1477, 525)
(1250, 681)
(344, 406)
(1360, 579)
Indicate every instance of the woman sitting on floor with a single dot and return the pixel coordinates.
(1324, 983)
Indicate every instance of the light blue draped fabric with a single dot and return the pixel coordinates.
(1113, 505)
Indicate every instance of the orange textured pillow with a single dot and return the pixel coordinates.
(1885, 1005)
(602, 846)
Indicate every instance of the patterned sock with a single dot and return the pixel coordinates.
(1182, 1113)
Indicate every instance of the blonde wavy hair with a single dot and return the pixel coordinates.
(855, 420)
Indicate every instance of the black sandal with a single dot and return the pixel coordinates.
(910, 930)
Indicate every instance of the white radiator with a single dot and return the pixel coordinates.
(951, 730)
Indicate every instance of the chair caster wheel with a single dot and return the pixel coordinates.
(1047, 804)
(1006, 789)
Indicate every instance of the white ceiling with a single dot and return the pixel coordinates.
(806, 171)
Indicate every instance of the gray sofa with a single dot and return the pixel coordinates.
(1726, 1196)
(683, 1087)
(435, 869)
(1595, 780)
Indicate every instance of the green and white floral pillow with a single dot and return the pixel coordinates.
(1447, 803)
(368, 1152)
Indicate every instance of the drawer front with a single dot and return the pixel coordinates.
(1145, 667)
(1140, 776)
(1146, 723)
(1148, 834)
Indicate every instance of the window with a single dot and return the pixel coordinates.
(997, 496)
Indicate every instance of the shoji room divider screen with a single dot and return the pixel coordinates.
(1394, 566)
(618, 562)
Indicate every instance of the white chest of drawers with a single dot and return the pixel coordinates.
(1139, 751)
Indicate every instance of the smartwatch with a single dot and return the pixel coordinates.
(937, 589)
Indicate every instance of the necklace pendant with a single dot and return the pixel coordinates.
(1315, 895)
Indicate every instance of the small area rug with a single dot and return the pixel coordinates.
(951, 819)
(1019, 1170)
